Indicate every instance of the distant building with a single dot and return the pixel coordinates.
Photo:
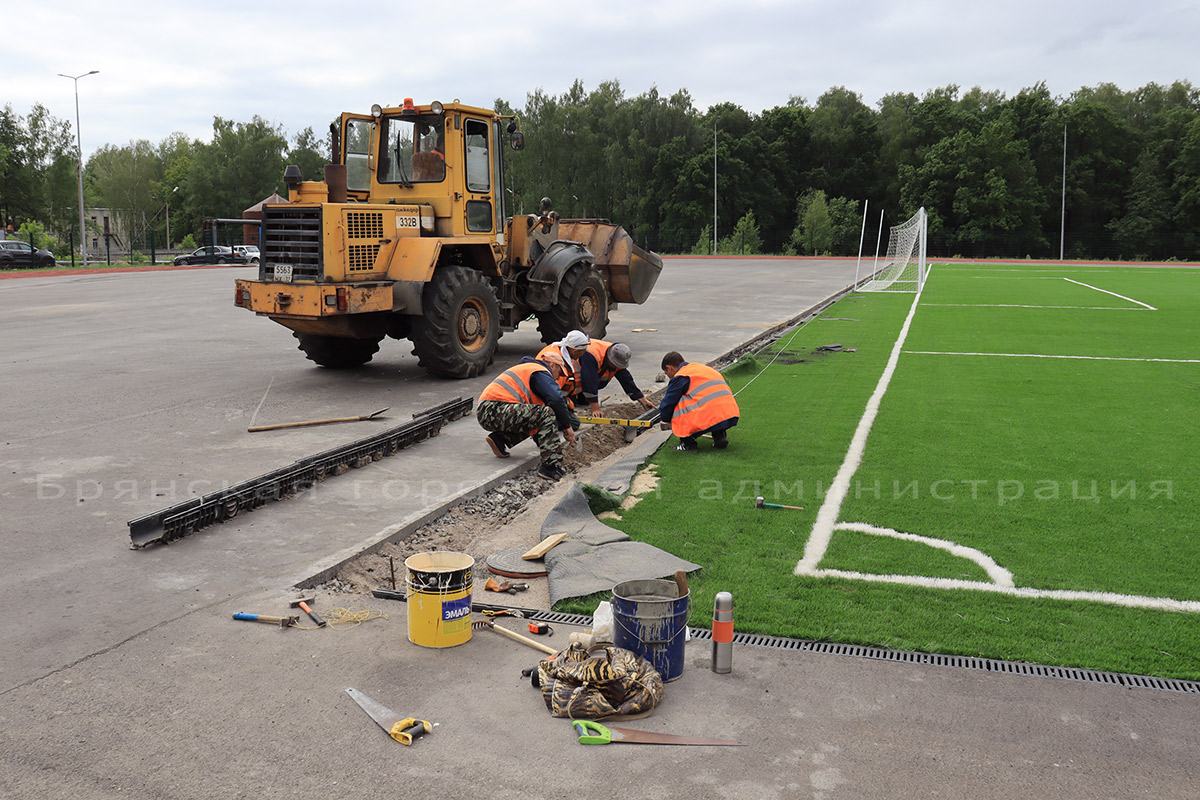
(99, 222)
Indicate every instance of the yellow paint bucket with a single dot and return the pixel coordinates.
(439, 598)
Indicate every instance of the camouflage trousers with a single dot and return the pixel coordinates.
(516, 422)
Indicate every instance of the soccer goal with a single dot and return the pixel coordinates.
(903, 269)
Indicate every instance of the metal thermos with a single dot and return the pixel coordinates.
(722, 633)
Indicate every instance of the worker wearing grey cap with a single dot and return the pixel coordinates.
(602, 362)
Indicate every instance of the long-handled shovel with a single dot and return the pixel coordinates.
(258, 428)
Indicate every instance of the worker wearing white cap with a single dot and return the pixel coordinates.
(571, 347)
(599, 364)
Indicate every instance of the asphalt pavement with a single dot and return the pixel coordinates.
(123, 674)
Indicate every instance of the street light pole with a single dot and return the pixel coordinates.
(168, 204)
(79, 133)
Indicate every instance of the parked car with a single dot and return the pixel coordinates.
(223, 255)
(17, 254)
(250, 251)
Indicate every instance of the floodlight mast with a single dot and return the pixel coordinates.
(79, 134)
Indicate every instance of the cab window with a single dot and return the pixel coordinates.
(358, 149)
(413, 149)
(479, 168)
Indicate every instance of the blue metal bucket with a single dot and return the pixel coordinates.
(650, 618)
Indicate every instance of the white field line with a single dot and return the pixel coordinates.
(999, 575)
(1016, 305)
(827, 516)
(1114, 294)
(1182, 270)
(1108, 598)
(1001, 579)
(1043, 355)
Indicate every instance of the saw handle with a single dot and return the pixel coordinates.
(406, 730)
(592, 732)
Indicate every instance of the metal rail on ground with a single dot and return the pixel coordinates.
(181, 519)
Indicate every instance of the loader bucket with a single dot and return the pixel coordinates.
(630, 271)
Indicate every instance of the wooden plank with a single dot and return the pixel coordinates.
(544, 547)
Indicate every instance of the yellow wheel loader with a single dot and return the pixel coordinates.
(408, 237)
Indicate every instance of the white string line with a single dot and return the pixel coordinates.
(782, 348)
(254, 416)
(1044, 355)
(1114, 294)
(827, 516)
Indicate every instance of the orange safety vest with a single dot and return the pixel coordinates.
(512, 385)
(569, 380)
(599, 350)
(707, 401)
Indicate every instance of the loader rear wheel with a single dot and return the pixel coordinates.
(457, 334)
(337, 352)
(582, 305)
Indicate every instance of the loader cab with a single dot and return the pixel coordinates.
(448, 158)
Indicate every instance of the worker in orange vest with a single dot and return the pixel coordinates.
(525, 401)
(599, 364)
(697, 401)
(571, 347)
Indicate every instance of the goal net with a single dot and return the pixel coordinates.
(903, 269)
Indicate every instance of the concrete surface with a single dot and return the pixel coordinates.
(124, 676)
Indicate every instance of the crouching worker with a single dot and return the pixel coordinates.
(525, 401)
(698, 401)
(599, 364)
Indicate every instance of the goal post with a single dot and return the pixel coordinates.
(903, 269)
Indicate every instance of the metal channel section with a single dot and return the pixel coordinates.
(181, 519)
(928, 659)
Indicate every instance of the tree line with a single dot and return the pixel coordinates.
(989, 169)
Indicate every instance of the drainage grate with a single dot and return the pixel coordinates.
(930, 659)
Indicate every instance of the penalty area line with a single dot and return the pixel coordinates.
(1044, 355)
(1107, 598)
(1017, 305)
(1114, 294)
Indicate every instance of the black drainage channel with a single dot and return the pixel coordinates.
(929, 659)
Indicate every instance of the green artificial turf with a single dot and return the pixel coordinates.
(1072, 474)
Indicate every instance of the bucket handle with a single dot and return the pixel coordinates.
(678, 633)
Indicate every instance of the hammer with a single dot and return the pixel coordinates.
(758, 503)
(303, 602)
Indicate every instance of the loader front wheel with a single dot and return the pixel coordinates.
(582, 305)
(337, 352)
(457, 334)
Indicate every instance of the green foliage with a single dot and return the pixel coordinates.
(988, 169)
(813, 234)
(745, 239)
(34, 233)
(37, 168)
(704, 245)
(188, 243)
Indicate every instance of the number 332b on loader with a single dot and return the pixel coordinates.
(408, 237)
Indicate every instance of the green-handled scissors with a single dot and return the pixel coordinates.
(591, 732)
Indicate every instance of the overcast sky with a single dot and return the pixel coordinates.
(167, 66)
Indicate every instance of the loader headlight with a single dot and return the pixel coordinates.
(436, 107)
(376, 111)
